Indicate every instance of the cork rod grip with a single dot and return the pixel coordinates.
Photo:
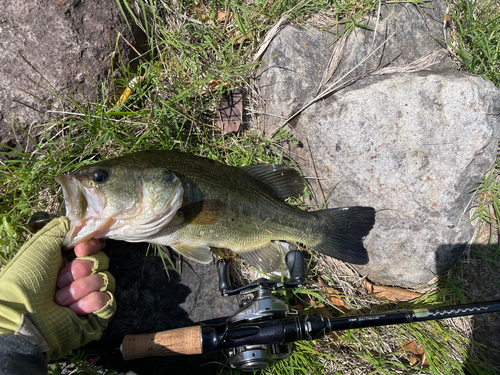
(173, 342)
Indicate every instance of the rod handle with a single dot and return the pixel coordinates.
(166, 343)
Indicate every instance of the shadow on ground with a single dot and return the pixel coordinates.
(149, 300)
(478, 277)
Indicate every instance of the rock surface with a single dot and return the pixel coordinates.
(51, 49)
(412, 145)
(298, 58)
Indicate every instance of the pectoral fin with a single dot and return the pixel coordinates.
(198, 253)
(266, 257)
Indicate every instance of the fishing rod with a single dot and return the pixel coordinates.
(261, 331)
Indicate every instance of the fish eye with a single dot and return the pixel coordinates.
(100, 176)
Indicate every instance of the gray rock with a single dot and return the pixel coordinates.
(410, 32)
(297, 57)
(53, 46)
(410, 144)
(420, 144)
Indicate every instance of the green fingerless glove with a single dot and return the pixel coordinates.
(27, 288)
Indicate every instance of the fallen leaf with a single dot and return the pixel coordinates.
(242, 37)
(425, 362)
(332, 296)
(205, 16)
(413, 347)
(390, 293)
(414, 360)
(417, 353)
(220, 16)
(299, 307)
(211, 86)
(230, 111)
(418, 359)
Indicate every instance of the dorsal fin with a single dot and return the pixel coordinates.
(284, 181)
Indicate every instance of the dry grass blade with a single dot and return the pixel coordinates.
(416, 351)
(315, 173)
(275, 29)
(334, 62)
(421, 64)
(269, 38)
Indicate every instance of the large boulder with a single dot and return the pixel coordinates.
(51, 50)
(412, 141)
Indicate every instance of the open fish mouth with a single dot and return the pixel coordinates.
(74, 204)
(82, 209)
(73, 198)
(93, 216)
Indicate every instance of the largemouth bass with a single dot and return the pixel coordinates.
(191, 203)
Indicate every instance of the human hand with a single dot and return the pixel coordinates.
(27, 288)
(80, 286)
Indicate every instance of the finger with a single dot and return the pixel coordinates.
(90, 303)
(79, 289)
(75, 270)
(87, 248)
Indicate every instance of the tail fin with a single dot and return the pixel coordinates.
(344, 231)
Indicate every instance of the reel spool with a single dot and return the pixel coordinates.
(257, 357)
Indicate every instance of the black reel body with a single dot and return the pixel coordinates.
(263, 307)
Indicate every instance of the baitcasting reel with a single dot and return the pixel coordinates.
(261, 331)
(263, 307)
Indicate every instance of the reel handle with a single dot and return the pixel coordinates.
(295, 263)
(224, 283)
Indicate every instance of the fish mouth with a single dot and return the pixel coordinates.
(74, 203)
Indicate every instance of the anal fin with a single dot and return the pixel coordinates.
(266, 257)
(198, 252)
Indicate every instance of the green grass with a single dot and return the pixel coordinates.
(191, 45)
(475, 36)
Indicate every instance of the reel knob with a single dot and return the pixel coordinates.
(295, 263)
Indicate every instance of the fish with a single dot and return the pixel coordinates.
(192, 203)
